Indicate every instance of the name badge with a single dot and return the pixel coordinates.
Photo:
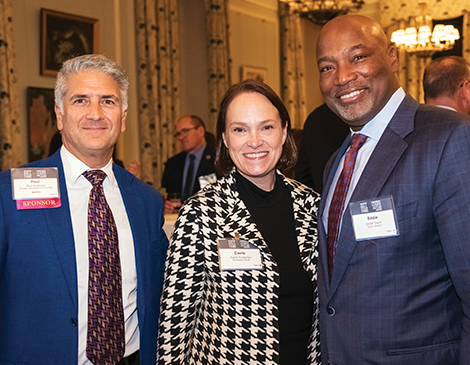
(35, 188)
(374, 218)
(206, 179)
(238, 254)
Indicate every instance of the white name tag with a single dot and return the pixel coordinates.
(374, 218)
(35, 188)
(206, 179)
(238, 254)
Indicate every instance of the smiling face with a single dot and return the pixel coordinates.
(93, 117)
(357, 68)
(254, 137)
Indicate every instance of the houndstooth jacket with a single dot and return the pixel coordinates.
(230, 317)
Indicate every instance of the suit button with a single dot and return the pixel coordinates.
(74, 321)
(331, 311)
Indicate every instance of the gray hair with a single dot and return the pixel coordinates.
(86, 62)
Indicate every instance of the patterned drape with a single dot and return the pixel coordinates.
(11, 150)
(218, 53)
(394, 14)
(158, 83)
(292, 65)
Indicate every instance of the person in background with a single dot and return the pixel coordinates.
(446, 84)
(189, 170)
(324, 132)
(394, 243)
(82, 275)
(240, 281)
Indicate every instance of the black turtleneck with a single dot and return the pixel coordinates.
(273, 214)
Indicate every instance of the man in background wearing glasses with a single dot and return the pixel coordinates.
(190, 170)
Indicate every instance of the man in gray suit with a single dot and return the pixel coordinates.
(394, 271)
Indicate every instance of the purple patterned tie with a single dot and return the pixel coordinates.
(105, 335)
(339, 197)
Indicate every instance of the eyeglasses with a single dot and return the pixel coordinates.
(184, 131)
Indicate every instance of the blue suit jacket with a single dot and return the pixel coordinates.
(38, 277)
(406, 299)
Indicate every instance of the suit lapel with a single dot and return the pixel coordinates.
(206, 162)
(133, 205)
(330, 170)
(383, 160)
(238, 219)
(205, 166)
(304, 229)
(60, 229)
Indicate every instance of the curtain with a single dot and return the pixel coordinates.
(292, 65)
(218, 53)
(158, 84)
(394, 14)
(11, 151)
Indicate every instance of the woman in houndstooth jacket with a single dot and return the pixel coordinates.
(221, 304)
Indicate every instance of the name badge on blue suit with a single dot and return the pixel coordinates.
(374, 218)
(35, 188)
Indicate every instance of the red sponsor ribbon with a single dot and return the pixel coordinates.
(38, 203)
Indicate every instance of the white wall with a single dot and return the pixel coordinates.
(194, 65)
(254, 38)
(116, 40)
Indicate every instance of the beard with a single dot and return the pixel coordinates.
(352, 112)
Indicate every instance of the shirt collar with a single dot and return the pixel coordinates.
(446, 107)
(199, 152)
(74, 168)
(376, 126)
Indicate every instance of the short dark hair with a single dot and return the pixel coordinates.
(223, 162)
(195, 120)
(444, 76)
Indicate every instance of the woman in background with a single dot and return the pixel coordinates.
(240, 282)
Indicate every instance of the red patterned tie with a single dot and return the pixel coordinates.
(105, 335)
(339, 196)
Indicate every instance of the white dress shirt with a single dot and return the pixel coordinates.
(373, 130)
(78, 189)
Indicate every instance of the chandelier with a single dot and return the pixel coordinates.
(420, 40)
(321, 11)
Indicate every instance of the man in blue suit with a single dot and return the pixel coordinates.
(44, 257)
(395, 254)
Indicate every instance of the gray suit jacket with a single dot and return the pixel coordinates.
(405, 299)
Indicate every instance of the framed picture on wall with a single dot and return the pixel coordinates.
(256, 73)
(42, 122)
(64, 36)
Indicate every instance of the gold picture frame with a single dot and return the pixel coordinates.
(256, 73)
(64, 36)
(42, 122)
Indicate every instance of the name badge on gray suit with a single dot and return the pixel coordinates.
(374, 218)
